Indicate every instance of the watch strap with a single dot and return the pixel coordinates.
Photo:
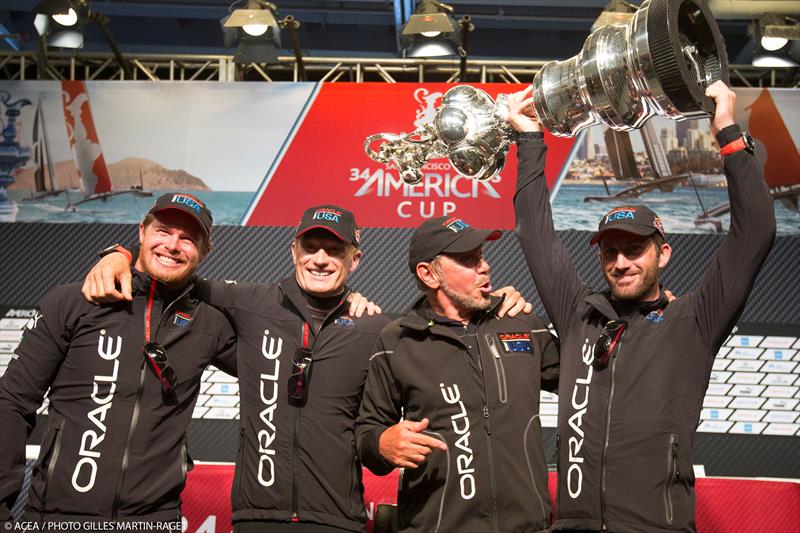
(733, 147)
(117, 247)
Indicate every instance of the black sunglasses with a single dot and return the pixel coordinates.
(608, 342)
(156, 355)
(300, 377)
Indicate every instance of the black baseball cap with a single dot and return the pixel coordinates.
(636, 219)
(445, 235)
(186, 203)
(335, 219)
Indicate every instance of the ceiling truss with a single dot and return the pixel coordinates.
(22, 65)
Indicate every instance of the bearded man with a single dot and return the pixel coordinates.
(635, 366)
(466, 383)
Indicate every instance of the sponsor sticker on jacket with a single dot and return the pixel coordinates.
(182, 319)
(344, 322)
(515, 342)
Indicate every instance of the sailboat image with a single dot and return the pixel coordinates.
(623, 162)
(777, 148)
(44, 177)
(95, 180)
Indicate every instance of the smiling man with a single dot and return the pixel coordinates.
(302, 355)
(635, 366)
(122, 378)
(465, 382)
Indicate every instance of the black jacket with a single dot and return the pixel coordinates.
(493, 476)
(626, 431)
(114, 447)
(296, 462)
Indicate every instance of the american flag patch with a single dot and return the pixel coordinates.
(515, 342)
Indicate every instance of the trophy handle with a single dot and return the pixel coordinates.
(408, 151)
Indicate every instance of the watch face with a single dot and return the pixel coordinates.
(749, 145)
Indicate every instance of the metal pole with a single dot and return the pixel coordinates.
(293, 25)
(466, 27)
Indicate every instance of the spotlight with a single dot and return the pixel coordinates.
(777, 41)
(62, 22)
(255, 32)
(431, 31)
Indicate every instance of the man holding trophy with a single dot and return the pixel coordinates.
(635, 366)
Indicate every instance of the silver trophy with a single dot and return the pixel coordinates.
(658, 63)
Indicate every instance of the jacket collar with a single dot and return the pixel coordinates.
(601, 302)
(140, 284)
(292, 292)
(421, 316)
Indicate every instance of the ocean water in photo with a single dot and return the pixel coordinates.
(677, 209)
(227, 207)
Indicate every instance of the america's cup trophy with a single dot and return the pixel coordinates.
(658, 63)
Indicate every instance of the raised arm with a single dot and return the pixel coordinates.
(31, 371)
(727, 281)
(556, 279)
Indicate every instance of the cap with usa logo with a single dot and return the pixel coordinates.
(187, 203)
(636, 219)
(445, 235)
(337, 220)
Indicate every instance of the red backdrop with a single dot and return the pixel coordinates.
(724, 505)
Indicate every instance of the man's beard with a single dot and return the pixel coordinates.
(467, 303)
(648, 278)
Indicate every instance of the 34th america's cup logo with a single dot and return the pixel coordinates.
(427, 106)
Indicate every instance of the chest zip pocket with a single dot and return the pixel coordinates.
(673, 474)
(499, 370)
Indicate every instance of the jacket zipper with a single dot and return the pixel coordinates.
(530, 470)
(126, 452)
(295, 446)
(240, 464)
(184, 458)
(672, 474)
(137, 406)
(487, 426)
(354, 478)
(502, 386)
(51, 464)
(615, 357)
(296, 436)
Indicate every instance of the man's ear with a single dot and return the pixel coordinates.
(428, 276)
(356, 260)
(208, 247)
(294, 251)
(666, 253)
(141, 233)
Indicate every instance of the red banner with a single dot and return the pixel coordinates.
(338, 120)
(723, 504)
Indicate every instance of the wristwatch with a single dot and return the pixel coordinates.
(116, 247)
(109, 250)
(744, 142)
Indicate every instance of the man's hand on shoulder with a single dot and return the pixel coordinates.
(359, 304)
(100, 285)
(405, 446)
(513, 303)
